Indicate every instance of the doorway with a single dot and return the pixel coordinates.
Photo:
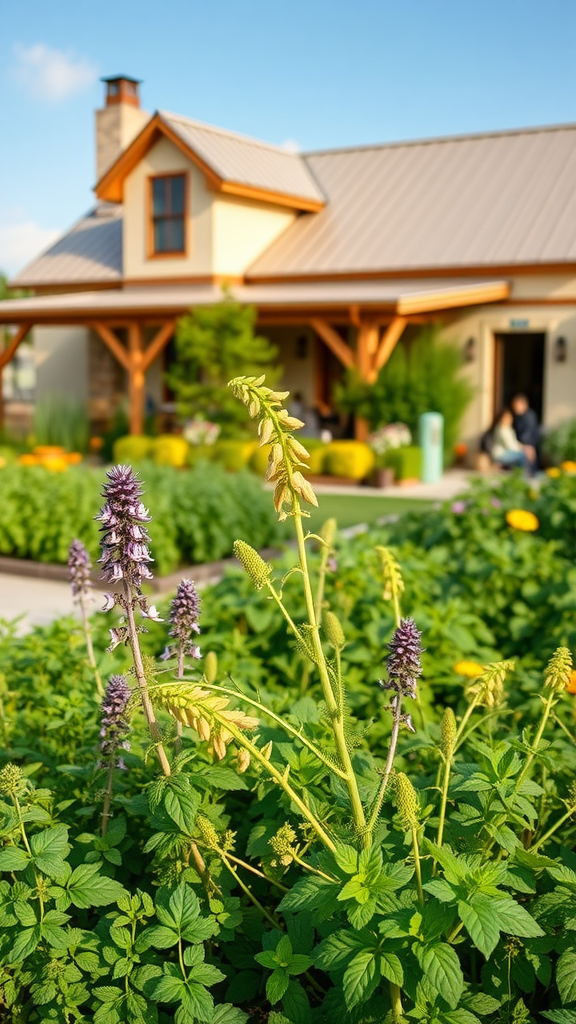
(519, 369)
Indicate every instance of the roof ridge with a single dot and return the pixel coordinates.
(437, 139)
(233, 134)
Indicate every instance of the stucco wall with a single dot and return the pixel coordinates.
(165, 158)
(61, 355)
(242, 230)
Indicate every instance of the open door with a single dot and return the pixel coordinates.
(519, 368)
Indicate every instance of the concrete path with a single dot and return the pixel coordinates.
(37, 602)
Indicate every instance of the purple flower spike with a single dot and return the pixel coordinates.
(184, 613)
(115, 724)
(124, 539)
(79, 569)
(404, 665)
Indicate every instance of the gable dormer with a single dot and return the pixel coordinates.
(200, 202)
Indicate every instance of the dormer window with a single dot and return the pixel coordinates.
(168, 215)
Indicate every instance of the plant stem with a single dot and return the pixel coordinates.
(443, 802)
(553, 829)
(246, 888)
(396, 1000)
(142, 683)
(107, 799)
(336, 717)
(90, 646)
(537, 739)
(178, 740)
(325, 553)
(465, 719)
(388, 768)
(417, 866)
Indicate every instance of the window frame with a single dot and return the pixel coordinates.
(173, 253)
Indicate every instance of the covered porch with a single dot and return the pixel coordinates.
(358, 322)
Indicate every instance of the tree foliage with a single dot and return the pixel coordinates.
(213, 344)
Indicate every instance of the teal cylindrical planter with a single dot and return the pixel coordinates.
(431, 439)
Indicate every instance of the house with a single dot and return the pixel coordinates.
(345, 253)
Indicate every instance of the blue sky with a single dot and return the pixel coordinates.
(318, 73)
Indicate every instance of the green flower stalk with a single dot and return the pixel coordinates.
(79, 571)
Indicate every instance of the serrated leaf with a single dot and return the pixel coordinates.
(228, 1014)
(49, 848)
(25, 943)
(361, 977)
(391, 968)
(441, 965)
(566, 976)
(346, 858)
(86, 887)
(441, 889)
(12, 858)
(336, 949)
(514, 919)
(559, 1016)
(276, 985)
(168, 989)
(197, 1001)
(181, 803)
(480, 922)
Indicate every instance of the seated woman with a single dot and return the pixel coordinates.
(506, 448)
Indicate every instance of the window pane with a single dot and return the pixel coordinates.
(177, 239)
(160, 236)
(177, 195)
(159, 196)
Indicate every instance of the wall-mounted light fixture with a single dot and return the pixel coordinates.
(560, 350)
(470, 351)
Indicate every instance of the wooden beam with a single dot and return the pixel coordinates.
(387, 345)
(332, 339)
(106, 334)
(159, 342)
(136, 378)
(12, 345)
(366, 344)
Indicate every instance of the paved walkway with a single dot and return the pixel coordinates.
(37, 602)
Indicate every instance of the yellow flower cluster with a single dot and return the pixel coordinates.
(571, 684)
(569, 466)
(470, 669)
(554, 472)
(521, 519)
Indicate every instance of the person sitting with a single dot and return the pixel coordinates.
(526, 426)
(507, 451)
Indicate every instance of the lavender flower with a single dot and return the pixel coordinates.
(495, 502)
(184, 613)
(124, 539)
(115, 724)
(458, 507)
(79, 569)
(404, 665)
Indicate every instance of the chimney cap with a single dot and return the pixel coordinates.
(122, 78)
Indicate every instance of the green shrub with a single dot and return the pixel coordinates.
(426, 377)
(233, 455)
(351, 459)
(406, 462)
(62, 420)
(317, 451)
(259, 459)
(132, 448)
(170, 450)
(559, 444)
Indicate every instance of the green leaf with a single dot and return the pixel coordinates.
(12, 858)
(276, 985)
(25, 943)
(559, 1016)
(514, 919)
(391, 968)
(361, 977)
(197, 1001)
(480, 922)
(441, 889)
(207, 974)
(299, 963)
(228, 1014)
(168, 989)
(86, 887)
(441, 965)
(566, 976)
(49, 848)
(336, 949)
(267, 958)
(346, 858)
(460, 1017)
(181, 803)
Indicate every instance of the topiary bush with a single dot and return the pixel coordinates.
(406, 462)
(351, 459)
(170, 450)
(133, 448)
(559, 444)
(233, 455)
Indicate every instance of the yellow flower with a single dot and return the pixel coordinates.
(521, 519)
(569, 466)
(470, 669)
(571, 684)
(554, 472)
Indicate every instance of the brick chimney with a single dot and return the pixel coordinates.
(119, 121)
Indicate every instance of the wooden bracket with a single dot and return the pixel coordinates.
(13, 344)
(112, 342)
(332, 339)
(388, 342)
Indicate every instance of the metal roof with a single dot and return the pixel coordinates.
(397, 297)
(90, 253)
(246, 161)
(472, 201)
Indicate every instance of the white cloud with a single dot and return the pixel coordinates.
(22, 241)
(291, 145)
(52, 75)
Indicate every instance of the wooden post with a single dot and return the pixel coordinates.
(136, 378)
(5, 357)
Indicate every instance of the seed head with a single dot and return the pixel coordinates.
(257, 569)
(558, 671)
(124, 538)
(11, 779)
(404, 665)
(334, 630)
(211, 667)
(115, 724)
(407, 801)
(184, 612)
(207, 831)
(447, 733)
(79, 569)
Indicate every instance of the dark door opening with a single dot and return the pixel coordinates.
(519, 369)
